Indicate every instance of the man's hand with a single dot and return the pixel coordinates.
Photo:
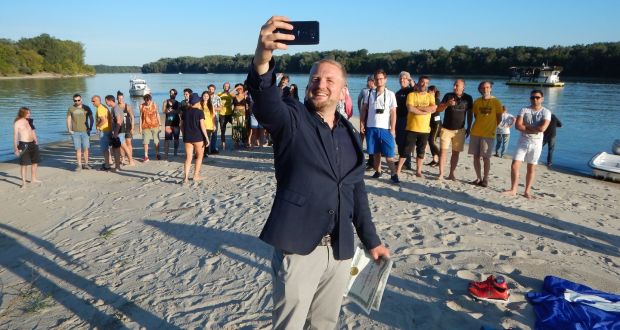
(378, 252)
(267, 42)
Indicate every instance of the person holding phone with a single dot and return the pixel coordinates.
(320, 195)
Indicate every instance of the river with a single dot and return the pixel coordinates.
(589, 111)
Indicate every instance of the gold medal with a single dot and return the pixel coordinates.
(354, 271)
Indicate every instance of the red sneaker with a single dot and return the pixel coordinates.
(493, 289)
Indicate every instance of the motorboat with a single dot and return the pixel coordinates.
(138, 87)
(535, 76)
(606, 166)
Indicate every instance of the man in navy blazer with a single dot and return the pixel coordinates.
(320, 196)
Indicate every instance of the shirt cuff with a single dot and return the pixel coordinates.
(264, 81)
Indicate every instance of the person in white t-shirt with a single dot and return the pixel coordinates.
(531, 122)
(378, 122)
(502, 134)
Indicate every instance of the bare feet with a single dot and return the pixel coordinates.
(509, 193)
(483, 183)
(185, 181)
(440, 177)
(198, 178)
(528, 196)
(418, 174)
(451, 177)
(36, 181)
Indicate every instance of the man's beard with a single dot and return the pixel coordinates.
(324, 105)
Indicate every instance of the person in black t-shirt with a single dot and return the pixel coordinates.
(171, 108)
(406, 87)
(549, 137)
(458, 109)
(194, 136)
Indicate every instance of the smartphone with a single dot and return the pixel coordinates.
(305, 32)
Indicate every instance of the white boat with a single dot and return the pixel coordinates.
(606, 166)
(535, 76)
(138, 87)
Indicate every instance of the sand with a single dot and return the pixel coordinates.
(139, 250)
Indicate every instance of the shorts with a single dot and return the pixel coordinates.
(149, 134)
(380, 140)
(225, 119)
(418, 141)
(117, 142)
(481, 146)
(254, 123)
(104, 140)
(456, 137)
(29, 153)
(81, 140)
(528, 150)
(175, 132)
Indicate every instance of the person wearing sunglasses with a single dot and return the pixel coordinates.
(532, 122)
(79, 124)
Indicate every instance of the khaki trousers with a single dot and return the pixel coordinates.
(308, 290)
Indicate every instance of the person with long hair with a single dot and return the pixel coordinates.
(127, 129)
(194, 136)
(207, 108)
(150, 122)
(25, 145)
(435, 123)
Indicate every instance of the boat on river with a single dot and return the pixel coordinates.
(138, 87)
(606, 166)
(535, 76)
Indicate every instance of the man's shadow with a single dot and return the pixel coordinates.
(33, 267)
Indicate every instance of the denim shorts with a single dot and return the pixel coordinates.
(80, 141)
(104, 140)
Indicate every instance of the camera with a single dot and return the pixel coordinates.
(379, 111)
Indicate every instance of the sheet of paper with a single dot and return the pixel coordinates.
(368, 280)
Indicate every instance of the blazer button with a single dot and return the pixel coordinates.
(332, 212)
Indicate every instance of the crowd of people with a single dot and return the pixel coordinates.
(409, 120)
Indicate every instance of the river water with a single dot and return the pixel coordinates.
(589, 111)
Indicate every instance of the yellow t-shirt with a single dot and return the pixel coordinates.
(419, 123)
(486, 112)
(227, 104)
(103, 112)
(208, 117)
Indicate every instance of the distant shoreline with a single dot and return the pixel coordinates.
(45, 75)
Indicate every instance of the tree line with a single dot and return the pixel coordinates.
(42, 54)
(592, 60)
(101, 68)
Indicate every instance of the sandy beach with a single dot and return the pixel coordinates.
(137, 249)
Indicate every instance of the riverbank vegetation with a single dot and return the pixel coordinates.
(101, 68)
(593, 60)
(42, 54)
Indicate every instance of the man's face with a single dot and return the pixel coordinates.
(459, 87)
(370, 84)
(404, 82)
(226, 86)
(211, 89)
(186, 96)
(536, 99)
(77, 101)
(96, 101)
(109, 103)
(326, 86)
(173, 94)
(423, 84)
(380, 80)
(486, 89)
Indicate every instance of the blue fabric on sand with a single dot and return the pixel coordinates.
(554, 311)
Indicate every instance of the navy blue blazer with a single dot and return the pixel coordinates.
(309, 194)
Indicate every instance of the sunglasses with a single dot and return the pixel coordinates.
(74, 100)
(535, 97)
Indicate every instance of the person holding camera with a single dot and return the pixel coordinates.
(379, 112)
(320, 192)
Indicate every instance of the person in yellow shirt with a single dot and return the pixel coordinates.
(487, 114)
(226, 112)
(103, 123)
(207, 108)
(420, 105)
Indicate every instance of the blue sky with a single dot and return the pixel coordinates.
(137, 32)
